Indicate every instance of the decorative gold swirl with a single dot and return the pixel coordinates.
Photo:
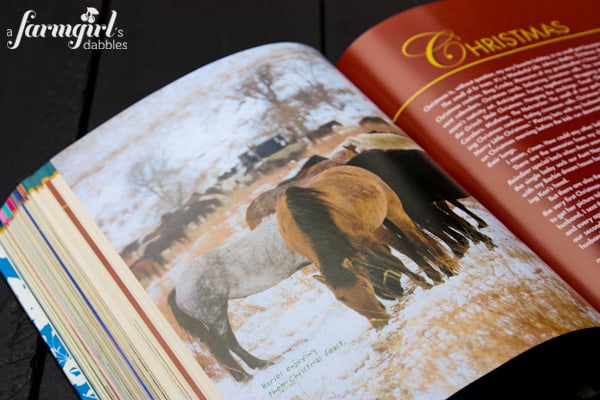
(441, 49)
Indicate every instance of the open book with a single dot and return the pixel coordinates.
(271, 226)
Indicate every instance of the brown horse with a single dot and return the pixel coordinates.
(266, 202)
(146, 269)
(337, 222)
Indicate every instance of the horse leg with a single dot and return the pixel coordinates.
(402, 224)
(439, 224)
(219, 345)
(213, 331)
(392, 239)
(473, 233)
(384, 287)
(249, 359)
(457, 243)
(480, 221)
(376, 257)
(482, 237)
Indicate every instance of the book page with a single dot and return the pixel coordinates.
(61, 259)
(188, 185)
(508, 103)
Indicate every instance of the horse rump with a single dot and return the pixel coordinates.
(188, 323)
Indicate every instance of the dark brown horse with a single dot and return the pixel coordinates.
(425, 192)
(337, 222)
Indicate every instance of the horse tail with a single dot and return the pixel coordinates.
(187, 322)
(312, 216)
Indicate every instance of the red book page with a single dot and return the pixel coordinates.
(506, 98)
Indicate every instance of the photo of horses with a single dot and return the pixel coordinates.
(302, 246)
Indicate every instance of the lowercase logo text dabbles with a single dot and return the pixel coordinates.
(86, 34)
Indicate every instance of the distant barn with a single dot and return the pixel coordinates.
(271, 146)
(262, 150)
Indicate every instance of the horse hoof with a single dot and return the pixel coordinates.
(450, 272)
(262, 364)
(459, 253)
(386, 295)
(435, 276)
(240, 376)
(425, 285)
(378, 323)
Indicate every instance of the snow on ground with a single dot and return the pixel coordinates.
(501, 303)
(196, 126)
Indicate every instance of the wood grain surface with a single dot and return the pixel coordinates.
(51, 95)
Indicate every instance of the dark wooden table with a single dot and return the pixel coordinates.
(51, 95)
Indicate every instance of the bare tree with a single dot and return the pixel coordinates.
(260, 85)
(314, 93)
(154, 176)
(288, 110)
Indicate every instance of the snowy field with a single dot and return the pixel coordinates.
(502, 301)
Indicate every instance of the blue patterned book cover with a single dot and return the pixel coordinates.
(47, 330)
